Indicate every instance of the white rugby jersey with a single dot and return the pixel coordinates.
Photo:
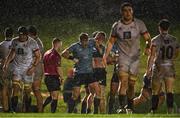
(24, 52)
(128, 37)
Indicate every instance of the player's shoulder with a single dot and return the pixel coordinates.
(172, 37)
(76, 44)
(73, 46)
(15, 38)
(32, 40)
(116, 23)
(155, 38)
(138, 21)
(1, 43)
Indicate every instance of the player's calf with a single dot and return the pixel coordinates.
(103, 99)
(27, 98)
(39, 98)
(72, 102)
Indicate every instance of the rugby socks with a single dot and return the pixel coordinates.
(27, 101)
(122, 101)
(88, 110)
(71, 105)
(84, 107)
(14, 101)
(96, 105)
(155, 101)
(53, 106)
(169, 100)
(130, 104)
(47, 101)
(111, 103)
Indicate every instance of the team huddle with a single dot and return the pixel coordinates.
(24, 63)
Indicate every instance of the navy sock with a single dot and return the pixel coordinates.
(155, 101)
(27, 101)
(169, 100)
(122, 100)
(84, 107)
(96, 105)
(47, 101)
(71, 105)
(130, 104)
(53, 106)
(14, 101)
(111, 103)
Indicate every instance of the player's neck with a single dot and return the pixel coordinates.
(55, 48)
(164, 32)
(126, 22)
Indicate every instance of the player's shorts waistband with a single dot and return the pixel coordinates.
(56, 76)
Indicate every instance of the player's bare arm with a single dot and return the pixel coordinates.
(147, 38)
(110, 44)
(60, 72)
(67, 55)
(151, 59)
(37, 58)
(9, 58)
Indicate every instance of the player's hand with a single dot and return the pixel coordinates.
(30, 71)
(76, 60)
(147, 51)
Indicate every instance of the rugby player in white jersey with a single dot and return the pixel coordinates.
(25, 55)
(126, 33)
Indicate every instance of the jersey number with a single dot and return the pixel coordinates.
(167, 52)
(20, 51)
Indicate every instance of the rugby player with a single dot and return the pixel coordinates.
(25, 55)
(126, 33)
(68, 86)
(114, 80)
(39, 71)
(53, 73)
(88, 98)
(5, 47)
(99, 67)
(82, 54)
(164, 50)
(146, 93)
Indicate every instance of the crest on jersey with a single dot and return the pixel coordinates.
(127, 35)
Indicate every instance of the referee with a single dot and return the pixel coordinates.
(53, 73)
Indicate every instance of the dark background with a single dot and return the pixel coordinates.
(17, 10)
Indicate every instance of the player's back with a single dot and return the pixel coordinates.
(166, 46)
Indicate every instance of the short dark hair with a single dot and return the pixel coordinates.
(22, 30)
(102, 33)
(56, 40)
(32, 29)
(83, 36)
(8, 32)
(125, 4)
(164, 24)
(94, 34)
